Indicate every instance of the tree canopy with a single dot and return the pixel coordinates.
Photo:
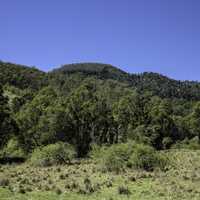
(86, 104)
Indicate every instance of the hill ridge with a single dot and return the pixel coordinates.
(57, 68)
(23, 76)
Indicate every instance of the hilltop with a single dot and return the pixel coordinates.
(160, 85)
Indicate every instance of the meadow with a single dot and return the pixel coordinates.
(84, 180)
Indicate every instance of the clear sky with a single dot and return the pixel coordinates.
(136, 35)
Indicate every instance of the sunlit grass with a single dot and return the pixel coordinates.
(85, 181)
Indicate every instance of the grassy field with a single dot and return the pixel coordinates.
(86, 181)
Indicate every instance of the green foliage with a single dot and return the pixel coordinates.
(162, 123)
(30, 118)
(115, 157)
(4, 181)
(79, 115)
(13, 149)
(120, 156)
(157, 84)
(165, 87)
(21, 76)
(123, 190)
(128, 112)
(101, 71)
(97, 152)
(53, 154)
(86, 119)
(167, 142)
(194, 120)
(8, 126)
(192, 144)
(146, 158)
(91, 103)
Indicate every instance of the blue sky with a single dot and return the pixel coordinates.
(136, 35)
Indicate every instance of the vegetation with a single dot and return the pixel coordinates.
(84, 181)
(94, 116)
(53, 154)
(146, 158)
(119, 157)
(8, 126)
(86, 104)
(115, 158)
(21, 76)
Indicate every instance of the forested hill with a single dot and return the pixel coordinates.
(165, 87)
(92, 68)
(162, 86)
(90, 103)
(156, 83)
(21, 76)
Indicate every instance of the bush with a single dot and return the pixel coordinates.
(53, 154)
(192, 144)
(4, 182)
(146, 158)
(167, 142)
(115, 157)
(123, 190)
(120, 156)
(13, 149)
(97, 151)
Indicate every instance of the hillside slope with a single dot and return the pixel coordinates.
(156, 83)
(159, 85)
(166, 87)
(21, 76)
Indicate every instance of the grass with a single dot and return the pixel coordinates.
(84, 181)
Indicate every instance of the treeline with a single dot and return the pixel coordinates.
(83, 110)
(21, 76)
(158, 84)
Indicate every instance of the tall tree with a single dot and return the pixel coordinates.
(7, 124)
(194, 120)
(30, 118)
(163, 128)
(79, 116)
(129, 113)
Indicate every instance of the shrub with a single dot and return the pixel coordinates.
(123, 190)
(192, 144)
(58, 191)
(88, 186)
(4, 182)
(13, 149)
(53, 154)
(146, 158)
(139, 156)
(97, 151)
(167, 142)
(116, 157)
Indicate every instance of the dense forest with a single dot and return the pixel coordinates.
(94, 104)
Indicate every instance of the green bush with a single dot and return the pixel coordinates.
(146, 158)
(123, 190)
(167, 142)
(120, 156)
(4, 181)
(192, 144)
(13, 149)
(53, 154)
(116, 157)
(97, 151)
